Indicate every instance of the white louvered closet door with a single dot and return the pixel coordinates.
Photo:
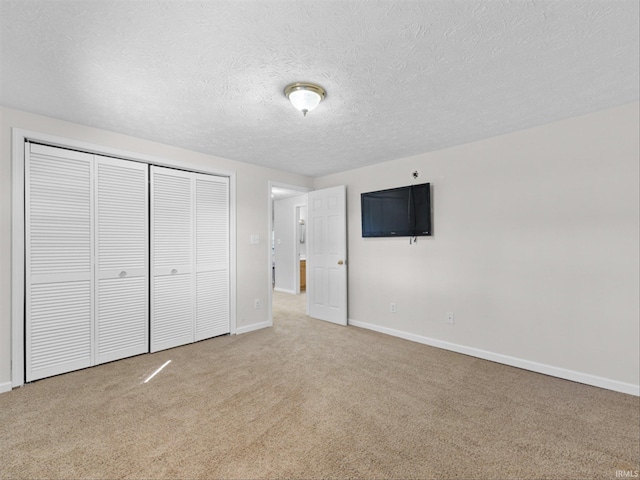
(58, 253)
(172, 280)
(122, 271)
(212, 256)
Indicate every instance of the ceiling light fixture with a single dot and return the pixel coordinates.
(305, 96)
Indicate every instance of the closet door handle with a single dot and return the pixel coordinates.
(174, 271)
(123, 274)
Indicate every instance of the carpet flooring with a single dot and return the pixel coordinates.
(308, 399)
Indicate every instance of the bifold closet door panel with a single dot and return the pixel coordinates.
(122, 243)
(212, 256)
(172, 283)
(59, 249)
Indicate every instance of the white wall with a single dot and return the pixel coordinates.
(284, 227)
(535, 245)
(535, 249)
(252, 201)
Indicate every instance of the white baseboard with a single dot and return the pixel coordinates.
(283, 290)
(563, 373)
(251, 328)
(5, 387)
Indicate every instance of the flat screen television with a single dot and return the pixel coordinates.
(397, 212)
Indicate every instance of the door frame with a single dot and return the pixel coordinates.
(19, 136)
(296, 242)
(302, 190)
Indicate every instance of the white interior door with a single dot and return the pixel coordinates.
(327, 254)
(122, 271)
(59, 250)
(172, 285)
(212, 256)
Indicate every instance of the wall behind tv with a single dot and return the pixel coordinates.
(534, 250)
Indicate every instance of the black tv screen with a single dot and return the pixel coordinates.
(397, 212)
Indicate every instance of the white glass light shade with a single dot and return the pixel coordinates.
(304, 96)
(304, 100)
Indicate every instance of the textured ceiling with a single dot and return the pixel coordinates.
(402, 77)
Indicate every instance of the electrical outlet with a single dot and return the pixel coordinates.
(256, 303)
(450, 318)
(393, 308)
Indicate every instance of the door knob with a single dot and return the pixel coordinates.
(340, 262)
(174, 271)
(123, 274)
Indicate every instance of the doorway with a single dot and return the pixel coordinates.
(325, 238)
(287, 263)
(301, 247)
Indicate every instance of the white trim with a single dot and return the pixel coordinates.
(96, 149)
(17, 259)
(251, 328)
(270, 256)
(19, 136)
(296, 245)
(232, 254)
(5, 387)
(288, 186)
(284, 290)
(270, 266)
(563, 373)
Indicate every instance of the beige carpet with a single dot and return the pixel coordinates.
(308, 399)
